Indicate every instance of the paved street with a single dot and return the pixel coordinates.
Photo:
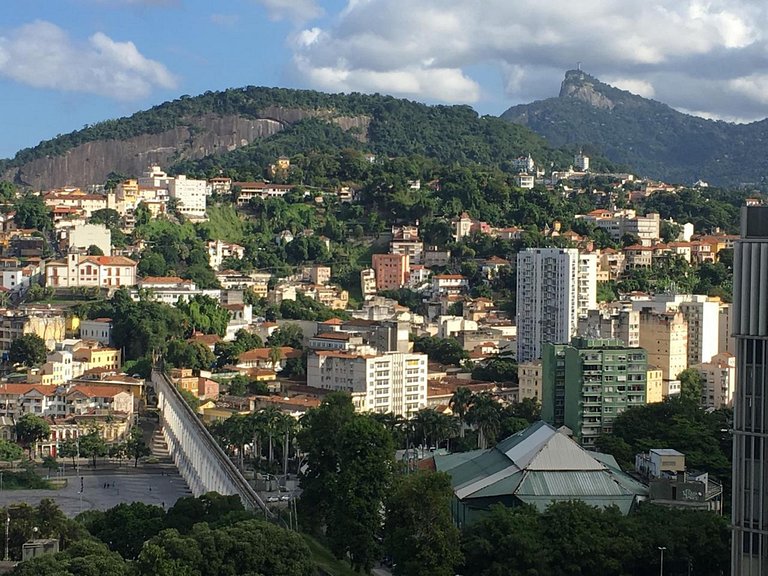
(151, 485)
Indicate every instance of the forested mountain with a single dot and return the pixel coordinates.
(256, 124)
(655, 139)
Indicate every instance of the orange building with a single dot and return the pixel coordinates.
(391, 270)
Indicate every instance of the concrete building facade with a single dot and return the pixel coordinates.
(749, 548)
(547, 299)
(664, 335)
(392, 382)
(589, 382)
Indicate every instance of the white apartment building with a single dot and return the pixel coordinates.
(587, 298)
(219, 251)
(612, 321)
(619, 222)
(581, 162)
(392, 382)
(547, 299)
(171, 289)
(99, 330)
(718, 380)
(702, 315)
(154, 177)
(368, 282)
(190, 194)
(86, 235)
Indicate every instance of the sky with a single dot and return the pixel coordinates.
(68, 63)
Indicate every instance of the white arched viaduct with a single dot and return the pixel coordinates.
(200, 460)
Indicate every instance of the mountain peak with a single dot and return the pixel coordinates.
(581, 86)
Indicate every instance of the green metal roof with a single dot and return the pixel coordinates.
(575, 484)
(540, 465)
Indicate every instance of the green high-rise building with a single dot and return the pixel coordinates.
(587, 383)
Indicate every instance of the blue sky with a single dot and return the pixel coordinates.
(67, 63)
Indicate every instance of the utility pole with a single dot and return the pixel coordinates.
(661, 566)
(7, 530)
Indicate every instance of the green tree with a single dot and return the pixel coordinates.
(690, 386)
(30, 429)
(442, 350)
(419, 533)
(50, 463)
(94, 250)
(69, 449)
(193, 355)
(496, 370)
(28, 350)
(508, 541)
(205, 314)
(459, 403)
(135, 446)
(191, 399)
(289, 334)
(485, 414)
(31, 212)
(83, 558)
(357, 493)
(10, 451)
(126, 527)
(93, 445)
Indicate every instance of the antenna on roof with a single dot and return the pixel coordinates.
(578, 66)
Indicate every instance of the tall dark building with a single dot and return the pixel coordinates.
(750, 427)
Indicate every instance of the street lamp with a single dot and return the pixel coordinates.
(661, 566)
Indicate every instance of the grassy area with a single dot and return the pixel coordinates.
(326, 561)
(225, 223)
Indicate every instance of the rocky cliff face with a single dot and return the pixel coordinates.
(202, 136)
(581, 86)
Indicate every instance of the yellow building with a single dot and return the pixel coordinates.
(654, 391)
(48, 324)
(530, 379)
(91, 356)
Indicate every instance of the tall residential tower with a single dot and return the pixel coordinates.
(547, 299)
(749, 548)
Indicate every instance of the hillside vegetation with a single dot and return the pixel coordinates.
(310, 120)
(655, 139)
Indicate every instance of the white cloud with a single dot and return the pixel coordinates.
(432, 83)
(298, 10)
(42, 55)
(635, 85)
(429, 48)
(754, 86)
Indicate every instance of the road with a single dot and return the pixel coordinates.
(160, 485)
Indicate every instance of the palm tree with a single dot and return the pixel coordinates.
(257, 428)
(459, 404)
(287, 425)
(485, 414)
(445, 428)
(275, 355)
(396, 425)
(273, 417)
(236, 429)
